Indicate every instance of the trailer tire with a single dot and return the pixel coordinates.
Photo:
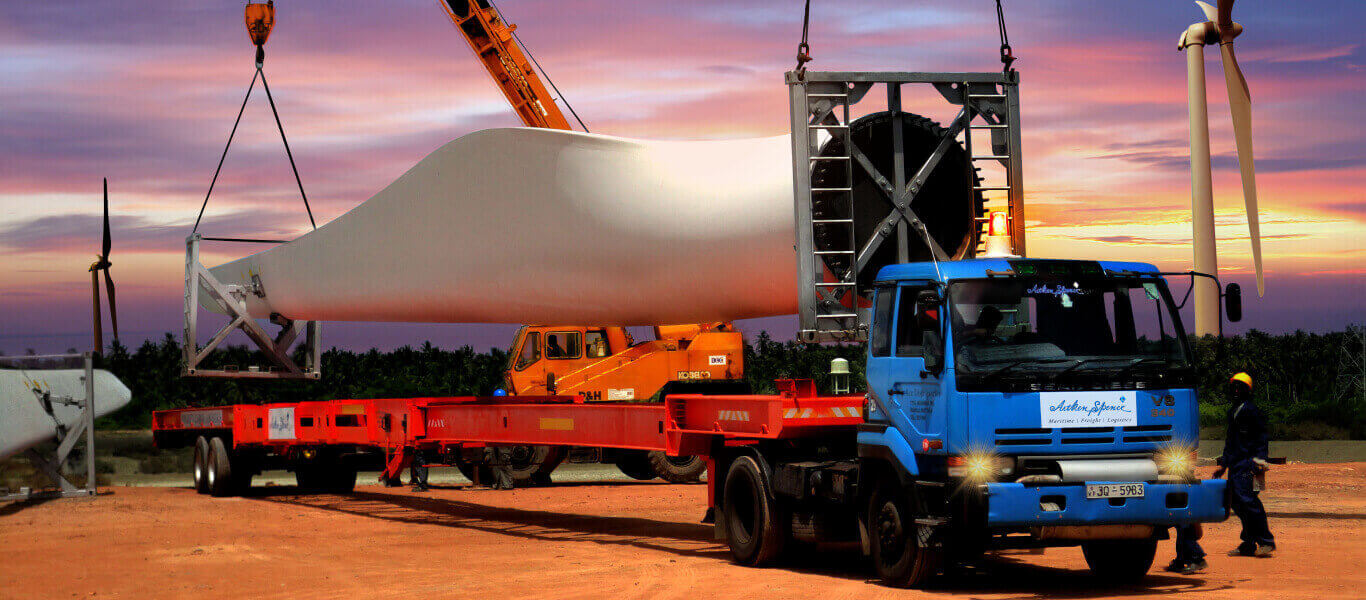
(201, 465)
(1125, 561)
(220, 469)
(899, 558)
(677, 469)
(341, 479)
(756, 526)
(636, 464)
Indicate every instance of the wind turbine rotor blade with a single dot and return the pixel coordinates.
(1240, 107)
(1211, 13)
(104, 252)
(1225, 16)
(113, 310)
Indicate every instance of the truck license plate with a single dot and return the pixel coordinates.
(1114, 490)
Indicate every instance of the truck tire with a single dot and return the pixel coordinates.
(677, 469)
(894, 536)
(467, 469)
(756, 526)
(220, 469)
(636, 464)
(201, 465)
(308, 478)
(1124, 561)
(534, 464)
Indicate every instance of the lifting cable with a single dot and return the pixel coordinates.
(544, 74)
(1007, 54)
(803, 48)
(260, 60)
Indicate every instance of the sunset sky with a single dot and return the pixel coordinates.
(145, 93)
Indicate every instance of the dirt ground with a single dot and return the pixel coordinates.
(586, 540)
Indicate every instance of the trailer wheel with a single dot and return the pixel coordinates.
(898, 555)
(308, 477)
(220, 468)
(636, 465)
(677, 469)
(1120, 560)
(756, 527)
(201, 465)
(341, 479)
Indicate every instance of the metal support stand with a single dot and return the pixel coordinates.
(232, 300)
(66, 442)
(820, 102)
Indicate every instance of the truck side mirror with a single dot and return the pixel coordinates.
(1233, 302)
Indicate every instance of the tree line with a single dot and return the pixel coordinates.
(1311, 385)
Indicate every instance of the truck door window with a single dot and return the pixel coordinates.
(910, 329)
(880, 340)
(563, 345)
(531, 350)
(595, 342)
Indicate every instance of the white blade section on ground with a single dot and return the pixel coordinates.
(538, 225)
(23, 420)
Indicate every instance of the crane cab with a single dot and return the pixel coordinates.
(605, 364)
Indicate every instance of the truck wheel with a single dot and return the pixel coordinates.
(220, 468)
(1120, 560)
(308, 477)
(636, 465)
(677, 469)
(900, 559)
(756, 527)
(534, 464)
(467, 469)
(201, 465)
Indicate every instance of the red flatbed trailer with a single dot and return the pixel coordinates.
(319, 440)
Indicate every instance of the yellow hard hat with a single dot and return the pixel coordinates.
(1244, 378)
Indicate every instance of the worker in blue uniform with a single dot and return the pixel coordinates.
(1245, 460)
(1190, 557)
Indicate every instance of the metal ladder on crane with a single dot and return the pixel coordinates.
(833, 289)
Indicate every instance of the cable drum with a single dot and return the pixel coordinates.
(947, 204)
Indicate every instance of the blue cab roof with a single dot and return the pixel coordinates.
(976, 268)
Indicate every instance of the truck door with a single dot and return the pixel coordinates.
(897, 371)
(528, 370)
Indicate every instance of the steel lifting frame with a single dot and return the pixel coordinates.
(66, 441)
(820, 103)
(232, 300)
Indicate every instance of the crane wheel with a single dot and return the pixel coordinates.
(201, 465)
(219, 472)
(757, 527)
(534, 464)
(677, 469)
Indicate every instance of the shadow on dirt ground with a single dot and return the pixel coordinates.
(993, 574)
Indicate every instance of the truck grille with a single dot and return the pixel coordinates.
(1018, 436)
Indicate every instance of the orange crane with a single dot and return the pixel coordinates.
(594, 363)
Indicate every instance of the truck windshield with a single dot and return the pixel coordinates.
(1064, 326)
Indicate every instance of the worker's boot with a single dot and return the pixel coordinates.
(1263, 550)
(1195, 566)
(1175, 566)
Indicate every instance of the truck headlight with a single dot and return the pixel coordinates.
(980, 467)
(1177, 460)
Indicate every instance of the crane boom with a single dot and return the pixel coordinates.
(491, 39)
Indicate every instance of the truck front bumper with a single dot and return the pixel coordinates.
(1163, 504)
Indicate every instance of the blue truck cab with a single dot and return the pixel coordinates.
(1029, 403)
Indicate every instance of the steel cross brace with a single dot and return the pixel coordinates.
(231, 299)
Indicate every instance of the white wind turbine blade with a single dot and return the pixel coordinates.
(1240, 106)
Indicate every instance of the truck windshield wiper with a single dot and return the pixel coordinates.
(1077, 365)
(1135, 363)
(1017, 363)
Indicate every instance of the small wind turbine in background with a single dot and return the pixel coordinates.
(1219, 28)
(102, 264)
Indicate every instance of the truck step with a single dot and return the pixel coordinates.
(931, 521)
